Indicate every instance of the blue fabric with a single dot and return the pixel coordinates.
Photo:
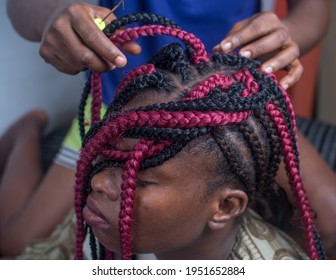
(208, 20)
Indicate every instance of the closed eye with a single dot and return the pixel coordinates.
(142, 183)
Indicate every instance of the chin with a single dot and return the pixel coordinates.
(108, 240)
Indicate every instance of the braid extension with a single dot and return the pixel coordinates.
(96, 97)
(140, 18)
(282, 101)
(275, 147)
(81, 109)
(93, 245)
(215, 106)
(257, 154)
(142, 70)
(127, 195)
(295, 179)
(199, 53)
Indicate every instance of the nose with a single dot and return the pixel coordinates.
(107, 182)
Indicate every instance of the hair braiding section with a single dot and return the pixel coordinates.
(109, 31)
(224, 99)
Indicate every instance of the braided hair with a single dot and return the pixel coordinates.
(225, 98)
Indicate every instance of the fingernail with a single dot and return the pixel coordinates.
(227, 46)
(268, 69)
(216, 48)
(247, 54)
(285, 86)
(120, 61)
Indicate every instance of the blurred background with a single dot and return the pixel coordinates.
(28, 82)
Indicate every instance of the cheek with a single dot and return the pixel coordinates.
(167, 222)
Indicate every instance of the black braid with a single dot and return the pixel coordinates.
(139, 18)
(156, 80)
(216, 101)
(93, 244)
(173, 58)
(81, 109)
(258, 155)
(176, 134)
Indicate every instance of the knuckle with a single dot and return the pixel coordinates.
(259, 49)
(91, 36)
(282, 35)
(86, 58)
(272, 16)
(111, 51)
(269, 17)
(255, 28)
(46, 54)
(73, 8)
(300, 69)
(296, 51)
(280, 63)
(43, 52)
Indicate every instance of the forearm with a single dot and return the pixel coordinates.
(30, 18)
(307, 22)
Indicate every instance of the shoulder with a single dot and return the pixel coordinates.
(259, 240)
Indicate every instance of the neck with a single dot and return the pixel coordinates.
(212, 245)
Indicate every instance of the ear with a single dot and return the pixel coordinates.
(228, 203)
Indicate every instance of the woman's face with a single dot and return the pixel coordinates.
(171, 208)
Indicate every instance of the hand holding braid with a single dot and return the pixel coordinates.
(202, 95)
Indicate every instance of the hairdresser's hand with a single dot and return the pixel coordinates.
(265, 36)
(72, 42)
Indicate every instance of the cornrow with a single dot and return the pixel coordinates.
(224, 97)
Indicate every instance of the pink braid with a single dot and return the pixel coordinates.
(213, 81)
(127, 195)
(199, 55)
(96, 97)
(144, 69)
(288, 102)
(294, 176)
(123, 156)
(246, 77)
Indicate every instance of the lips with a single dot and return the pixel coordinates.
(93, 216)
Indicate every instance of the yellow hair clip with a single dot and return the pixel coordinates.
(100, 22)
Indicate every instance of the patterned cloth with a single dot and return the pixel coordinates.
(256, 240)
(58, 246)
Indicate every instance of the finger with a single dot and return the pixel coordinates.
(282, 59)
(96, 40)
(226, 44)
(257, 26)
(266, 44)
(131, 47)
(294, 74)
(71, 51)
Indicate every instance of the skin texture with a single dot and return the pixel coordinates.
(183, 221)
